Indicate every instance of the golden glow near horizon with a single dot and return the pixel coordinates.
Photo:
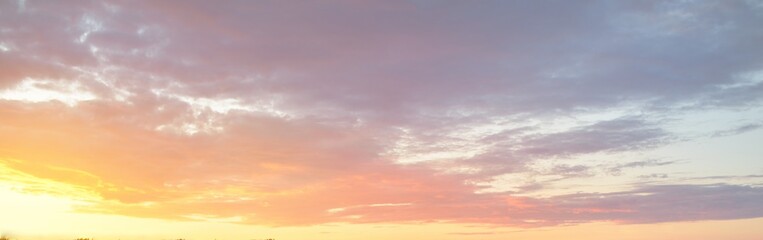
(58, 220)
(31, 211)
(381, 120)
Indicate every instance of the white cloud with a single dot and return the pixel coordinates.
(745, 79)
(43, 90)
(89, 24)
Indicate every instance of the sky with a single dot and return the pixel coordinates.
(418, 119)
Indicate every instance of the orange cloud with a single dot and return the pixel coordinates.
(243, 113)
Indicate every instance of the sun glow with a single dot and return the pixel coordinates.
(312, 120)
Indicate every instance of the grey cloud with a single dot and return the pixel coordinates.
(654, 176)
(738, 130)
(510, 152)
(399, 59)
(618, 168)
(396, 63)
(571, 170)
(614, 135)
(650, 204)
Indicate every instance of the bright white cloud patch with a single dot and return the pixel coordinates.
(4, 47)
(43, 90)
(206, 113)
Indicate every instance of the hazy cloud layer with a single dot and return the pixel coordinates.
(284, 113)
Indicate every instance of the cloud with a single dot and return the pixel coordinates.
(650, 204)
(571, 170)
(613, 135)
(275, 113)
(618, 168)
(738, 130)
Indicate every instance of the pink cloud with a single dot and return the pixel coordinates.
(287, 114)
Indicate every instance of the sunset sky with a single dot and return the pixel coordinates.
(350, 120)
